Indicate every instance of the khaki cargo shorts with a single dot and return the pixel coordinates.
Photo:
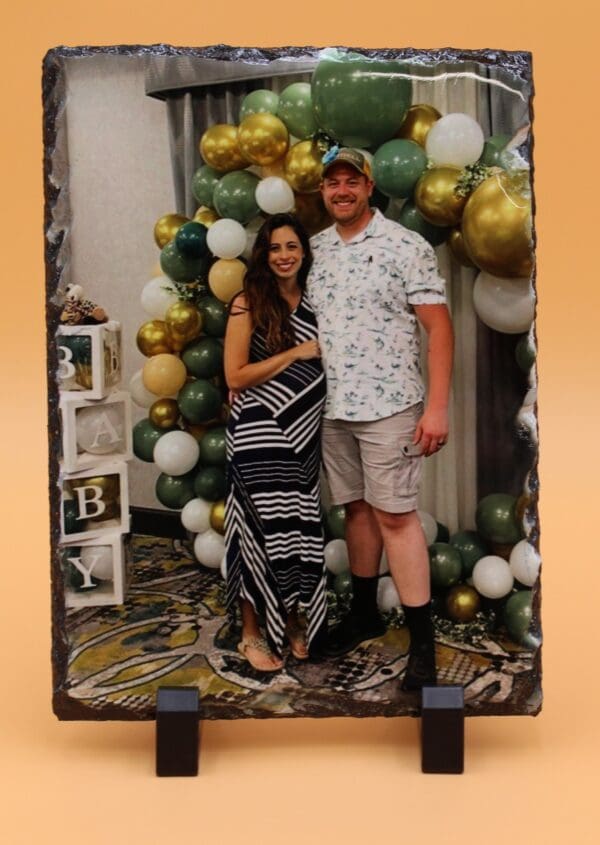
(364, 460)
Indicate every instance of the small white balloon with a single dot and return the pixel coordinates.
(139, 392)
(226, 238)
(195, 516)
(429, 526)
(98, 560)
(492, 577)
(157, 297)
(274, 195)
(387, 595)
(525, 563)
(336, 556)
(224, 567)
(176, 452)
(455, 139)
(100, 429)
(209, 548)
(505, 305)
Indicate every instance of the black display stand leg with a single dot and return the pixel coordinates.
(443, 730)
(177, 731)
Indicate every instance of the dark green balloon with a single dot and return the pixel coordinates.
(411, 217)
(336, 522)
(80, 347)
(175, 491)
(445, 565)
(259, 101)
(214, 316)
(70, 514)
(472, 547)
(295, 109)
(190, 240)
(397, 165)
(443, 535)
(358, 101)
(204, 182)
(234, 196)
(178, 267)
(199, 401)
(525, 354)
(342, 584)
(517, 616)
(212, 447)
(495, 519)
(210, 484)
(145, 437)
(204, 358)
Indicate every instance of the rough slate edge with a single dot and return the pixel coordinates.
(56, 220)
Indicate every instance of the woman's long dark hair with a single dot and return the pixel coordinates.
(270, 312)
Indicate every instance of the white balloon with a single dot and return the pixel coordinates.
(274, 195)
(429, 526)
(195, 516)
(387, 595)
(157, 297)
(176, 452)
(100, 429)
(209, 548)
(505, 305)
(226, 238)
(98, 560)
(251, 233)
(455, 139)
(336, 556)
(525, 563)
(139, 393)
(492, 577)
(224, 567)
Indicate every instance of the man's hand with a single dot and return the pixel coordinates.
(432, 430)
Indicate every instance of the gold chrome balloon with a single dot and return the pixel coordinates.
(435, 196)
(303, 167)
(263, 138)
(456, 243)
(84, 375)
(152, 338)
(417, 123)
(166, 228)
(497, 225)
(197, 430)
(183, 323)
(275, 169)
(164, 413)
(219, 147)
(311, 212)
(206, 216)
(109, 495)
(217, 516)
(226, 278)
(462, 603)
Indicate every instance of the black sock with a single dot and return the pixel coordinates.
(418, 621)
(364, 596)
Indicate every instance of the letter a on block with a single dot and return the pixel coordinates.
(95, 502)
(87, 573)
(105, 430)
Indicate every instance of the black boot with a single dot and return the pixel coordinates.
(363, 622)
(420, 671)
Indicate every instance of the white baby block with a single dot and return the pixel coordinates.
(89, 359)
(94, 432)
(94, 502)
(94, 572)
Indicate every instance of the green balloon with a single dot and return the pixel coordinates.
(411, 217)
(262, 100)
(296, 110)
(496, 521)
(210, 484)
(212, 447)
(525, 354)
(342, 584)
(443, 535)
(358, 101)
(175, 491)
(204, 182)
(234, 196)
(336, 522)
(70, 516)
(517, 616)
(80, 347)
(179, 267)
(145, 437)
(397, 166)
(472, 547)
(492, 149)
(199, 401)
(445, 565)
(214, 316)
(204, 359)
(190, 240)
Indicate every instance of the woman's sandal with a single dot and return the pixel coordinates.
(260, 645)
(297, 639)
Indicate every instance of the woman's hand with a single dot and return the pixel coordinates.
(307, 350)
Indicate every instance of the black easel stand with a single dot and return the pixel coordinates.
(442, 730)
(177, 731)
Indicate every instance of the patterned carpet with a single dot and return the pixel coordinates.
(172, 631)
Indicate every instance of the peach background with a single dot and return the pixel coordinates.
(527, 780)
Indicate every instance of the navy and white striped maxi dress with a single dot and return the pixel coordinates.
(273, 529)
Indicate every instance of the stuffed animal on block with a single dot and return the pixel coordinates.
(78, 311)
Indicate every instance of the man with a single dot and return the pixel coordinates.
(372, 282)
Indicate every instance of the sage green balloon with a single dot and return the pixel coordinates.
(359, 102)
(212, 447)
(179, 267)
(342, 584)
(445, 565)
(210, 483)
(204, 359)
(296, 110)
(335, 521)
(262, 100)
(234, 196)
(492, 150)
(145, 437)
(525, 354)
(175, 491)
(214, 316)
(204, 182)
(472, 547)
(397, 166)
(199, 401)
(496, 521)
(517, 616)
(411, 217)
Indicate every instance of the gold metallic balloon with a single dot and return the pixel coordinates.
(435, 196)
(164, 413)
(417, 123)
(166, 228)
(462, 603)
(497, 225)
(219, 147)
(263, 138)
(303, 167)
(183, 323)
(164, 375)
(84, 375)
(226, 276)
(311, 212)
(197, 430)
(456, 243)
(206, 216)
(275, 169)
(109, 496)
(217, 516)
(152, 338)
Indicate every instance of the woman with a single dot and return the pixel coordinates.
(273, 528)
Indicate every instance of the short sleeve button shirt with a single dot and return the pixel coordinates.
(363, 292)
